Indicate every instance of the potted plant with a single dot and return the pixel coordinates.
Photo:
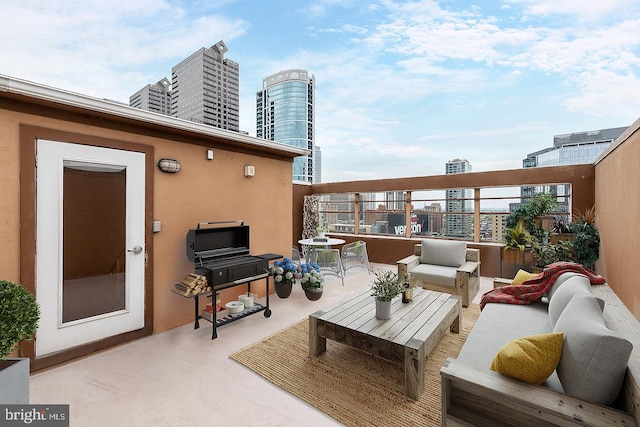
(384, 288)
(541, 205)
(533, 212)
(586, 244)
(546, 253)
(284, 276)
(517, 239)
(19, 315)
(311, 281)
(321, 231)
(561, 231)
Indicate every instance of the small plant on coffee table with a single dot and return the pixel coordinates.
(387, 285)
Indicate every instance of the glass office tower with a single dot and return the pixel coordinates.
(459, 218)
(285, 113)
(568, 149)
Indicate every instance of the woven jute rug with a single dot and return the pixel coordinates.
(349, 385)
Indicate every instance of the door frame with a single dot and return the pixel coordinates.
(28, 137)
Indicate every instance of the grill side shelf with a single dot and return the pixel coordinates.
(233, 317)
(257, 307)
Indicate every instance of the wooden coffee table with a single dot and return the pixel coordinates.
(413, 331)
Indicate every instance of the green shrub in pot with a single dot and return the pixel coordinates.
(19, 315)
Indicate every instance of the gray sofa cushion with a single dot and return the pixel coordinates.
(559, 281)
(434, 274)
(574, 285)
(594, 358)
(499, 324)
(450, 253)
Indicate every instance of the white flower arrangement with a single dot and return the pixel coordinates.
(284, 271)
(311, 277)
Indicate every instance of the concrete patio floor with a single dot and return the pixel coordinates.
(183, 378)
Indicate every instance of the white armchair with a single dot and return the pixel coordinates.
(444, 266)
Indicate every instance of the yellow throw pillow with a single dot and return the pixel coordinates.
(532, 359)
(521, 277)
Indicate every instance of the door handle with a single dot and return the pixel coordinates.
(137, 249)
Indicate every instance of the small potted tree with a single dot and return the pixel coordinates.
(384, 288)
(517, 240)
(19, 315)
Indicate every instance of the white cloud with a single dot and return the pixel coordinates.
(581, 9)
(402, 86)
(617, 98)
(99, 48)
(436, 42)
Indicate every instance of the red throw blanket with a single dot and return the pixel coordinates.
(534, 288)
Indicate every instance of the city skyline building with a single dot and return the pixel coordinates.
(394, 200)
(568, 149)
(285, 113)
(153, 97)
(205, 88)
(457, 223)
(317, 164)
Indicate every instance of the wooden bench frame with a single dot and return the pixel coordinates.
(472, 396)
(467, 276)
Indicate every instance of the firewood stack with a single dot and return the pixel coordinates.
(193, 284)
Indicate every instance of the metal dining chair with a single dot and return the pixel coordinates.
(354, 254)
(295, 255)
(329, 261)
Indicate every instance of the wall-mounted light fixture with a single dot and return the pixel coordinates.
(209, 154)
(169, 165)
(249, 171)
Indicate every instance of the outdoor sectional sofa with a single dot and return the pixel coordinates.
(595, 383)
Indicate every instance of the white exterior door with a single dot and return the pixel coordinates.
(90, 248)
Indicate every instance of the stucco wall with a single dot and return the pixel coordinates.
(617, 191)
(204, 190)
(214, 190)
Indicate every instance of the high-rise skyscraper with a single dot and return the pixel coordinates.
(457, 224)
(317, 164)
(156, 98)
(568, 149)
(285, 113)
(394, 200)
(205, 88)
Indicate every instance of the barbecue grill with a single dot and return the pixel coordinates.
(220, 252)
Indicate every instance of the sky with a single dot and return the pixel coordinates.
(402, 87)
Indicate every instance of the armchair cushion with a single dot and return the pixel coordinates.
(434, 274)
(450, 253)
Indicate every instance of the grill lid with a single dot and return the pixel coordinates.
(220, 241)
